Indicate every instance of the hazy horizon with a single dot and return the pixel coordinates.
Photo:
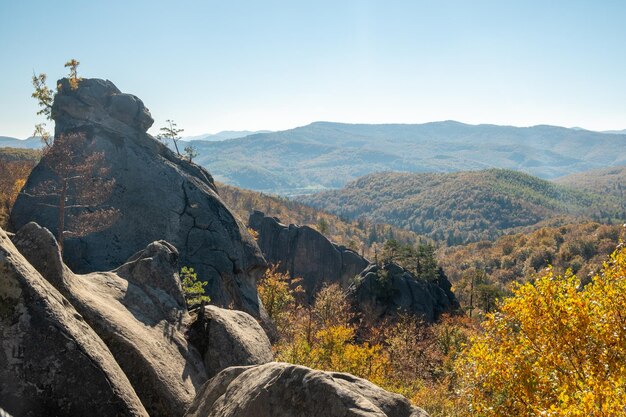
(255, 131)
(273, 66)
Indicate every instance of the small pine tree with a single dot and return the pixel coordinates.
(191, 152)
(170, 132)
(192, 288)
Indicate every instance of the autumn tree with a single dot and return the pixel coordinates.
(171, 132)
(73, 64)
(278, 293)
(77, 188)
(13, 175)
(554, 348)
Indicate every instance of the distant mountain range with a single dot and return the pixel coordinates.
(464, 207)
(226, 134)
(326, 155)
(30, 143)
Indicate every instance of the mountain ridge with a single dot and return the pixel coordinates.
(325, 155)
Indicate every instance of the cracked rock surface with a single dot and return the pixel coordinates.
(159, 196)
(228, 338)
(138, 310)
(283, 390)
(52, 363)
(385, 290)
(304, 252)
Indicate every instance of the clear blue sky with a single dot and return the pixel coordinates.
(217, 65)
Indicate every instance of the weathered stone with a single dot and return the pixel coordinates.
(285, 390)
(228, 338)
(306, 253)
(384, 291)
(139, 312)
(159, 195)
(52, 363)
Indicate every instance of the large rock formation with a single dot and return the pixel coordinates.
(138, 310)
(285, 390)
(228, 338)
(385, 290)
(159, 196)
(52, 363)
(304, 252)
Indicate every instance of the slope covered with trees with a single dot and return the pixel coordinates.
(483, 271)
(15, 165)
(610, 181)
(462, 207)
(362, 236)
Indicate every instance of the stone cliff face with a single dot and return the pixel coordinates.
(51, 361)
(377, 291)
(159, 197)
(384, 290)
(134, 318)
(306, 253)
(121, 343)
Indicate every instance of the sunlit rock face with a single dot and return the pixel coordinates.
(158, 195)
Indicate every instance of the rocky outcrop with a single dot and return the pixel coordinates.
(385, 290)
(160, 197)
(285, 390)
(138, 310)
(52, 363)
(304, 252)
(228, 338)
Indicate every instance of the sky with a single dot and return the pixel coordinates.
(252, 65)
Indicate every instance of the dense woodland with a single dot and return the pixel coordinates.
(464, 207)
(486, 271)
(608, 181)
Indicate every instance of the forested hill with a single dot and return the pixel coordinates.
(328, 155)
(610, 181)
(462, 207)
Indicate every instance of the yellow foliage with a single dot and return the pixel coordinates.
(277, 295)
(554, 349)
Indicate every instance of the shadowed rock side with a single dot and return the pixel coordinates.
(306, 253)
(159, 197)
(51, 361)
(138, 310)
(285, 390)
(383, 291)
(228, 338)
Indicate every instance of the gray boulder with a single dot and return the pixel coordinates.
(228, 338)
(285, 390)
(138, 310)
(385, 290)
(52, 363)
(304, 252)
(160, 197)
